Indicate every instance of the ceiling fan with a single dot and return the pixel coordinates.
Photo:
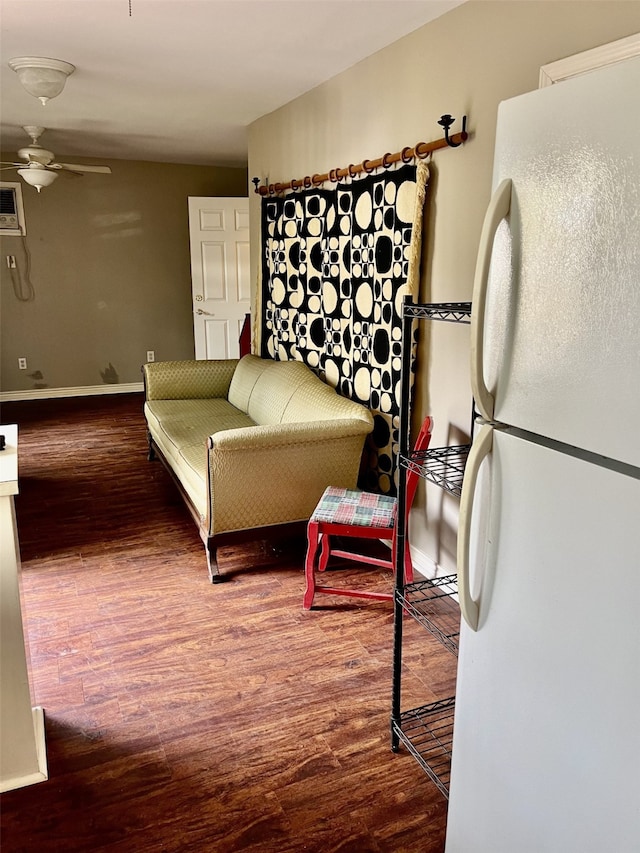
(39, 168)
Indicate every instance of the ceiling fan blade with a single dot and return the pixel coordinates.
(11, 165)
(76, 167)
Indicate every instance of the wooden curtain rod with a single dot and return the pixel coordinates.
(421, 151)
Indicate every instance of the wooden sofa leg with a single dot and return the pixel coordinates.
(151, 455)
(212, 564)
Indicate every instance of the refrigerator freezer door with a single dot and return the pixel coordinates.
(546, 745)
(562, 330)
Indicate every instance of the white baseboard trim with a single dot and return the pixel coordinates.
(82, 391)
(427, 566)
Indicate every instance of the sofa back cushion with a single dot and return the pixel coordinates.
(275, 387)
(246, 374)
(273, 392)
(262, 388)
(319, 402)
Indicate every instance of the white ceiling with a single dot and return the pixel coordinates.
(180, 80)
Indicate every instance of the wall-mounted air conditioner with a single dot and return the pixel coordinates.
(12, 219)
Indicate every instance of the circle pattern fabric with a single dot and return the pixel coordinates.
(334, 275)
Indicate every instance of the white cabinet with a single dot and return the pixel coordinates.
(23, 759)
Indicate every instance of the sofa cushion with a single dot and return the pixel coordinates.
(181, 429)
(274, 389)
(182, 423)
(319, 402)
(247, 373)
(273, 392)
(192, 473)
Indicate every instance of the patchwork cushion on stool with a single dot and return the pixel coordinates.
(349, 506)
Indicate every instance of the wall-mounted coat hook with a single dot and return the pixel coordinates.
(446, 121)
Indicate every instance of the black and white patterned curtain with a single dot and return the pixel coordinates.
(336, 266)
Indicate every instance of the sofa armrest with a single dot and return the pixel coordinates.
(310, 433)
(264, 475)
(189, 379)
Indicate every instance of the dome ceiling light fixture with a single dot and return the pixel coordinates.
(42, 77)
(37, 176)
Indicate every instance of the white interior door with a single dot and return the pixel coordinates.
(219, 238)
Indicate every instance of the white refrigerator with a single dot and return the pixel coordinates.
(546, 743)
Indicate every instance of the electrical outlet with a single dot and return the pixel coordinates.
(22, 364)
(11, 262)
(151, 356)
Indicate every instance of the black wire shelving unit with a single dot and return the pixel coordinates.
(426, 732)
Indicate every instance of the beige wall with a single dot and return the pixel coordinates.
(108, 258)
(463, 63)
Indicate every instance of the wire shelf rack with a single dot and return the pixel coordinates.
(431, 603)
(427, 733)
(452, 312)
(443, 466)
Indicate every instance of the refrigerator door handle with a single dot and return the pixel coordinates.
(481, 448)
(498, 209)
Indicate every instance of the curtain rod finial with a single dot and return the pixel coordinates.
(446, 121)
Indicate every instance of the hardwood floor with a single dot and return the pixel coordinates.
(182, 716)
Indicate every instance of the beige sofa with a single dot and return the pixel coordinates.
(251, 443)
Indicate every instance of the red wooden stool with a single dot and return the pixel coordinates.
(351, 513)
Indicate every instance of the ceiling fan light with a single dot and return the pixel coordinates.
(42, 77)
(38, 178)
